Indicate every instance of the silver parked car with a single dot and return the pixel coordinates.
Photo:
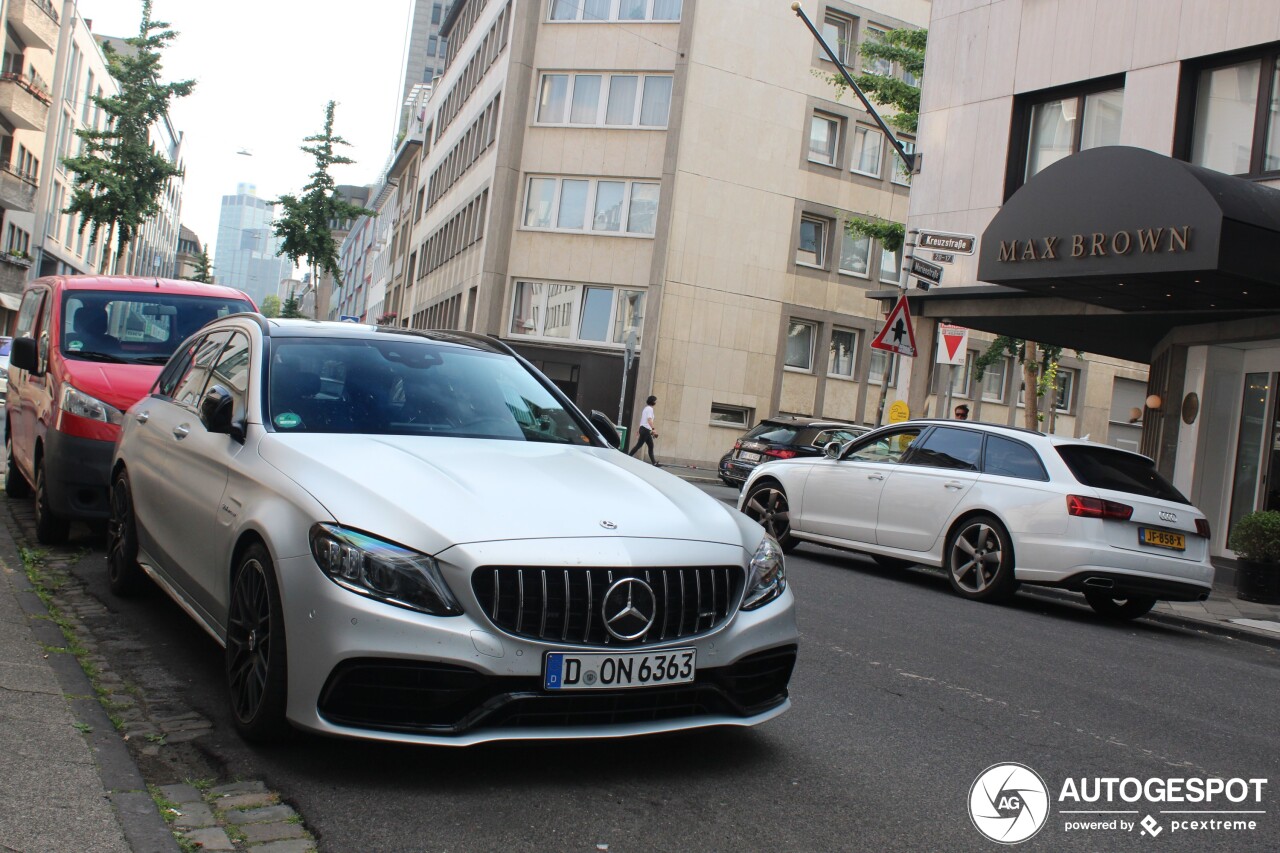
(416, 537)
(995, 506)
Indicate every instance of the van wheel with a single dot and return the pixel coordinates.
(15, 485)
(51, 528)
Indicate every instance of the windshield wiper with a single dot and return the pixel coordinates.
(90, 355)
(152, 359)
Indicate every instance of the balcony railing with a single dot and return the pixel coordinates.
(48, 9)
(17, 190)
(33, 84)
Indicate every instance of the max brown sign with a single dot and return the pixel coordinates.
(1141, 241)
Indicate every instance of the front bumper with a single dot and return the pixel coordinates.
(78, 474)
(375, 671)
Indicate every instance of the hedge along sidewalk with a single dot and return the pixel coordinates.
(69, 781)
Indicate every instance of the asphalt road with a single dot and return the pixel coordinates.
(903, 694)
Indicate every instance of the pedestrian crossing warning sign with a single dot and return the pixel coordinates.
(897, 334)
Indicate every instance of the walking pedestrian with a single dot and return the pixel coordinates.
(647, 432)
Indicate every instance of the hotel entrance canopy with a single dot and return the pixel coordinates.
(1110, 249)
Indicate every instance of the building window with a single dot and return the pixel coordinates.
(890, 265)
(879, 67)
(732, 416)
(868, 144)
(562, 204)
(961, 376)
(994, 381)
(811, 251)
(588, 313)
(855, 253)
(881, 363)
(1065, 400)
(824, 138)
(800, 335)
(900, 175)
(615, 10)
(1066, 124)
(837, 31)
(605, 100)
(842, 359)
(1230, 133)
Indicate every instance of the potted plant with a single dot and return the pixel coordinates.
(1256, 541)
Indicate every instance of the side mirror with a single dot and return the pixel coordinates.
(217, 408)
(601, 421)
(23, 355)
(832, 450)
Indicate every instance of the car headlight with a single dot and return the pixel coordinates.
(381, 570)
(76, 402)
(766, 577)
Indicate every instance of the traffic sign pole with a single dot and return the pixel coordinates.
(908, 251)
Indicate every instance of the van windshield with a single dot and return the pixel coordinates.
(135, 327)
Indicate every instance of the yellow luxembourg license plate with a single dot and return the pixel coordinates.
(611, 670)
(1163, 539)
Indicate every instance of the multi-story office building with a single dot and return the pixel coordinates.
(424, 54)
(189, 249)
(246, 253)
(328, 294)
(1120, 164)
(618, 172)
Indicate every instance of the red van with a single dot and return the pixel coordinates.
(86, 348)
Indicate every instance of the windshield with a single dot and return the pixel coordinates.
(411, 387)
(139, 327)
(1118, 470)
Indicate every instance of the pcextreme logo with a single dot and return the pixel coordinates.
(1010, 803)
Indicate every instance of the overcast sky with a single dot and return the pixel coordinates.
(264, 70)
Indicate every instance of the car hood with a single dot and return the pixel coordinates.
(119, 385)
(432, 492)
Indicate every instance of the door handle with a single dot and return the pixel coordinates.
(180, 431)
(875, 476)
(953, 485)
(142, 417)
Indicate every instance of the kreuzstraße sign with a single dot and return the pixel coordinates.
(958, 244)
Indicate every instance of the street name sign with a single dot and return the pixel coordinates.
(897, 334)
(952, 342)
(960, 244)
(925, 271)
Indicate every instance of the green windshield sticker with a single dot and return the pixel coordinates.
(287, 420)
(75, 345)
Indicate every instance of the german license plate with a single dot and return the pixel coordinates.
(612, 670)
(1162, 539)
(748, 456)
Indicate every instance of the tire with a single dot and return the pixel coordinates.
(15, 485)
(767, 504)
(124, 574)
(891, 562)
(257, 653)
(979, 560)
(51, 528)
(1122, 609)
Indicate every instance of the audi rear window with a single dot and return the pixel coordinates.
(773, 433)
(1118, 470)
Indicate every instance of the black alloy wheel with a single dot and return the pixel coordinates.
(767, 504)
(1111, 607)
(256, 658)
(51, 528)
(15, 485)
(123, 572)
(979, 560)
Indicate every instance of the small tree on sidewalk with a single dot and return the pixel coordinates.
(204, 268)
(119, 176)
(305, 229)
(291, 309)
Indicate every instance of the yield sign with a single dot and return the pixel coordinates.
(951, 345)
(897, 334)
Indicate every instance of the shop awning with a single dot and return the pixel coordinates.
(10, 301)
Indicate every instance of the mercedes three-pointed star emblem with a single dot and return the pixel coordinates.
(629, 608)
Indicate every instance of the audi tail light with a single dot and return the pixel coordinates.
(1202, 527)
(1098, 508)
(780, 454)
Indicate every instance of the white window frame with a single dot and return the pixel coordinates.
(892, 367)
(833, 158)
(821, 243)
(987, 397)
(841, 47)
(845, 235)
(883, 251)
(737, 417)
(539, 309)
(1059, 406)
(868, 33)
(602, 99)
(853, 351)
(589, 215)
(961, 374)
(857, 143)
(899, 175)
(579, 6)
(813, 339)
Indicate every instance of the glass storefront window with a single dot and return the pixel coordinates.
(1249, 455)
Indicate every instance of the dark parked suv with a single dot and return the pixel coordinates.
(782, 437)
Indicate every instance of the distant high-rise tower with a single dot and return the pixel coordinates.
(246, 249)
(424, 58)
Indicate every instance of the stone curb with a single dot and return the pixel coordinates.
(240, 816)
(144, 828)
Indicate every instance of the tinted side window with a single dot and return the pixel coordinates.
(1010, 458)
(1119, 470)
(945, 447)
(886, 447)
(191, 386)
(177, 368)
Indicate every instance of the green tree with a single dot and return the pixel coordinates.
(290, 309)
(204, 268)
(119, 176)
(305, 229)
(270, 306)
